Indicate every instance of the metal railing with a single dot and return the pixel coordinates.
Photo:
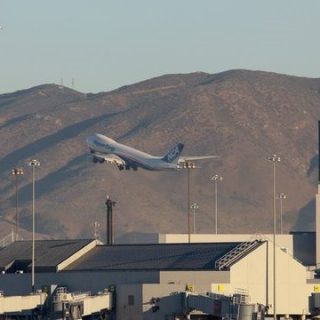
(237, 252)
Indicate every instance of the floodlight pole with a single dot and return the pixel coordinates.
(188, 165)
(17, 172)
(274, 158)
(281, 197)
(189, 228)
(215, 179)
(33, 163)
(194, 207)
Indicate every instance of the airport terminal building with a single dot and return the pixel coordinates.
(165, 280)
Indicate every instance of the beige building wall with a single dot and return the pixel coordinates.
(169, 282)
(255, 274)
(291, 284)
(168, 296)
(129, 302)
(313, 286)
(250, 273)
(194, 278)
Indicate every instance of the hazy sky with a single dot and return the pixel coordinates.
(104, 44)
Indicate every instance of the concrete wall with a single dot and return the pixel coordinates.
(171, 282)
(250, 273)
(255, 274)
(20, 284)
(129, 302)
(170, 303)
(194, 278)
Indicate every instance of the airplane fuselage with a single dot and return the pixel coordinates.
(125, 157)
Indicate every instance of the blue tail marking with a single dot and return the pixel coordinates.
(174, 153)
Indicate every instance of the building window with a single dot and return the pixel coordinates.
(130, 300)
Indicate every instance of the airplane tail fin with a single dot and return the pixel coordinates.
(174, 153)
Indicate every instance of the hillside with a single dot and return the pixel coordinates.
(242, 116)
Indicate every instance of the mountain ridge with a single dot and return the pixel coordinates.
(244, 116)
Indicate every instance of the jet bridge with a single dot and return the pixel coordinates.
(77, 305)
(22, 304)
(209, 306)
(62, 305)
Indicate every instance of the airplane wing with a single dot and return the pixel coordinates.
(195, 158)
(109, 158)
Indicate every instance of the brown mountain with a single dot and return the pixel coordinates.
(243, 116)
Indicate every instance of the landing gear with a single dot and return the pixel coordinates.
(96, 160)
(126, 167)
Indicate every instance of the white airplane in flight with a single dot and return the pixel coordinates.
(104, 149)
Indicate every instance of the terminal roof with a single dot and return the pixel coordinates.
(194, 256)
(48, 254)
(86, 255)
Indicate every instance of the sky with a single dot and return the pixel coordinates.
(100, 45)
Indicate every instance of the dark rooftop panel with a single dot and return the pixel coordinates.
(48, 253)
(200, 256)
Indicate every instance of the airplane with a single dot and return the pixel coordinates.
(105, 149)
